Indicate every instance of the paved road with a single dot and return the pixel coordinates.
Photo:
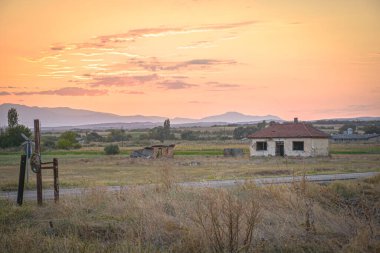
(49, 194)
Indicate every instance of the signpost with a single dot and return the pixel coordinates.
(28, 149)
(36, 166)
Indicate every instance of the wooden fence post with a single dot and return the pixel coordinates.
(56, 180)
(21, 180)
(37, 141)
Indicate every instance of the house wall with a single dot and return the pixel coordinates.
(312, 147)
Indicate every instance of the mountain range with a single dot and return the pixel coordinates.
(78, 118)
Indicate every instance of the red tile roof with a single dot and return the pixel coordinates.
(289, 130)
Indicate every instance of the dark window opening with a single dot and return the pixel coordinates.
(261, 145)
(298, 145)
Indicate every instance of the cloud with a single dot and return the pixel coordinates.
(114, 48)
(132, 92)
(132, 35)
(57, 47)
(154, 65)
(122, 80)
(44, 58)
(175, 85)
(8, 87)
(223, 85)
(67, 91)
(4, 93)
(200, 63)
(198, 44)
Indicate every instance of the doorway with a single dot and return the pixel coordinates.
(280, 148)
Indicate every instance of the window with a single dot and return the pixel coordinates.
(298, 145)
(261, 145)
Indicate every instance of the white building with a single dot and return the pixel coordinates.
(289, 139)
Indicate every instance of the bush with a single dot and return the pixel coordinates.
(111, 149)
(68, 140)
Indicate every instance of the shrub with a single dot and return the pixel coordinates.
(111, 149)
(68, 140)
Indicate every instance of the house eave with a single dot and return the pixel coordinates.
(295, 137)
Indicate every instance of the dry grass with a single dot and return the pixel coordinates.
(86, 169)
(302, 217)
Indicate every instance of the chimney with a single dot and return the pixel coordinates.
(295, 120)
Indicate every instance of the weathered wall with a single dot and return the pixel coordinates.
(312, 147)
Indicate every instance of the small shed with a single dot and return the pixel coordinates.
(155, 151)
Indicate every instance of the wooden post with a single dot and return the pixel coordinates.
(56, 181)
(21, 180)
(37, 138)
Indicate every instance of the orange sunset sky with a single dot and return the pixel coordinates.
(311, 59)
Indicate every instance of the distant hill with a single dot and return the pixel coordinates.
(234, 117)
(352, 119)
(64, 116)
(67, 118)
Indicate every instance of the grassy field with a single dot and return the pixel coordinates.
(194, 161)
(301, 217)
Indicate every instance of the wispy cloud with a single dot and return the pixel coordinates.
(175, 85)
(132, 35)
(198, 44)
(44, 58)
(154, 65)
(4, 93)
(66, 91)
(223, 85)
(132, 92)
(122, 80)
(8, 87)
(69, 61)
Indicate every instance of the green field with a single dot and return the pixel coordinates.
(193, 161)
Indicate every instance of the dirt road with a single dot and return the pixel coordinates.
(49, 194)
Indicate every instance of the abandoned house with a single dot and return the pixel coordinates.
(289, 139)
(156, 151)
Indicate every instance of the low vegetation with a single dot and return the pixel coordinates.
(193, 161)
(111, 149)
(301, 217)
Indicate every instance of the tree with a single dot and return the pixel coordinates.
(48, 142)
(166, 129)
(262, 125)
(11, 137)
(371, 129)
(347, 126)
(117, 135)
(189, 135)
(162, 133)
(93, 137)
(68, 140)
(12, 118)
(243, 132)
(157, 133)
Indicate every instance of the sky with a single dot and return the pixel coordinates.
(295, 58)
